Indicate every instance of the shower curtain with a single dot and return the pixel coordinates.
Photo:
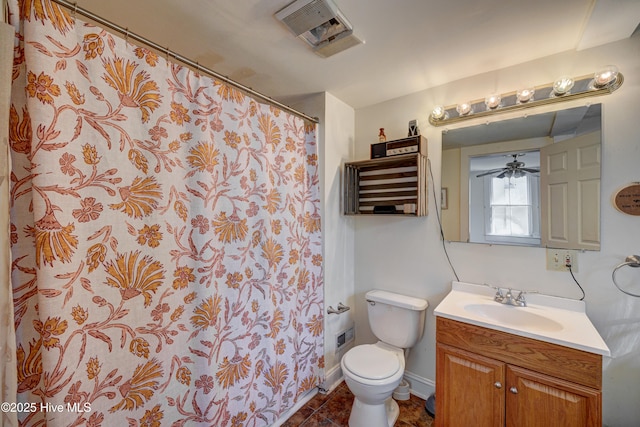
(165, 238)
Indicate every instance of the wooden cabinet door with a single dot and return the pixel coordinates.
(537, 400)
(469, 389)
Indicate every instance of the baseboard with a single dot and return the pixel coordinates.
(420, 386)
(333, 378)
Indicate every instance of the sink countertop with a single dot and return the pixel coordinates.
(574, 330)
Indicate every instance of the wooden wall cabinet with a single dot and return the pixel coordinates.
(394, 185)
(492, 378)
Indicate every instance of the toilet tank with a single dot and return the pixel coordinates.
(396, 319)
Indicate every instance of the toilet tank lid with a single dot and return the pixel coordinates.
(398, 300)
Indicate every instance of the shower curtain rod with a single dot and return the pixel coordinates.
(102, 21)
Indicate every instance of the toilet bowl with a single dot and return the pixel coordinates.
(373, 371)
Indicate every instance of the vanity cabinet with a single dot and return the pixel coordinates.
(492, 378)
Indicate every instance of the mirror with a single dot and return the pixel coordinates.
(528, 181)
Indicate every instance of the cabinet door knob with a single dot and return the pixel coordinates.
(513, 390)
(498, 384)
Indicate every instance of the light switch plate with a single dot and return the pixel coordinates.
(557, 259)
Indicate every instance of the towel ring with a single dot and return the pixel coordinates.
(631, 261)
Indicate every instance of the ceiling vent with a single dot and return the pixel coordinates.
(321, 24)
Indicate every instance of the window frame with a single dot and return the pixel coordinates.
(533, 195)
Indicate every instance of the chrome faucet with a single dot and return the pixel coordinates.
(509, 299)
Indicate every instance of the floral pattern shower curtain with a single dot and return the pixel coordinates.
(165, 238)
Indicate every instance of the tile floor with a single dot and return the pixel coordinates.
(333, 410)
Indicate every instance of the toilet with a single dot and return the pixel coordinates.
(373, 371)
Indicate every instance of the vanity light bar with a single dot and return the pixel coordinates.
(565, 88)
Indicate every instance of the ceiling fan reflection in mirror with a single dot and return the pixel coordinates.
(513, 169)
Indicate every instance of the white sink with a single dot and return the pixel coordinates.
(547, 318)
(514, 316)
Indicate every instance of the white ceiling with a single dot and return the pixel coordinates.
(410, 45)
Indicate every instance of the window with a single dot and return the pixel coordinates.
(511, 209)
(504, 199)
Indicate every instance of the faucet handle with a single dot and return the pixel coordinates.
(520, 299)
(498, 296)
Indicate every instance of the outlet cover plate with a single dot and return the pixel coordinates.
(556, 259)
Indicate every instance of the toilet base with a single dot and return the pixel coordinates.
(381, 415)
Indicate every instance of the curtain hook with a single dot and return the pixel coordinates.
(126, 35)
(166, 52)
(75, 9)
(197, 69)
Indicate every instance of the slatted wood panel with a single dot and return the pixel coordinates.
(390, 185)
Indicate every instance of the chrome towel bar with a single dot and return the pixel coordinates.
(341, 309)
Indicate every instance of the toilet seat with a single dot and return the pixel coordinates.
(371, 362)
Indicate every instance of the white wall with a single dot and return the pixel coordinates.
(406, 255)
(335, 146)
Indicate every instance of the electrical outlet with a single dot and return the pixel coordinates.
(559, 259)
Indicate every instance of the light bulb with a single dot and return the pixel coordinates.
(525, 95)
(438, 112)
(492, 101)
(605, 76)
(464, 108)
(562, 85)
